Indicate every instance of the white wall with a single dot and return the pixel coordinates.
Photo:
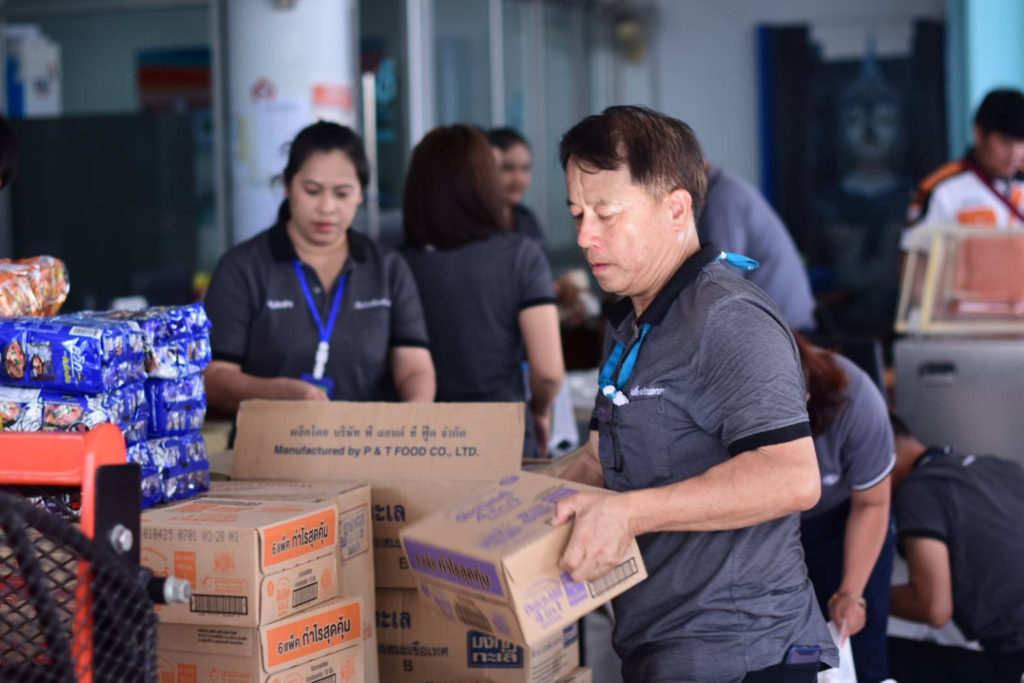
(706, 60)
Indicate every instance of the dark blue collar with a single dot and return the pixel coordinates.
(931, 453)
(654, 314)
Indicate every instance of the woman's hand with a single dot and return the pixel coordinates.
(297, 390)
(848, 612)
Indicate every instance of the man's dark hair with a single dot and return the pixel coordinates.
(899, 427)
(661, 153)
(504, 138)
(452, 194)
(1002, 111)
(325, 137)
(9, 153)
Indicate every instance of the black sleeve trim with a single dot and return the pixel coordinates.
(543, 301)
(922, 533)
(417, 343)
(593, 424)
(770, 438)
(229, 358)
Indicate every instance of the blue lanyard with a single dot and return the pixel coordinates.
(738, 261)
(612, 385)
(323, 349)
(613, 388)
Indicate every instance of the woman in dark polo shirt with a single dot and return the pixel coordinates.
(310, 309)
(847, 543)
(515, 159)
(487, 292)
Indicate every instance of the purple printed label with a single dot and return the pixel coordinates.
(544, 602)
(454, 568)
(574, 590)
(559, 493)
(509, 480)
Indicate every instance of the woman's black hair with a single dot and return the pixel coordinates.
(451, 190)
(504, 138)
(323, 136)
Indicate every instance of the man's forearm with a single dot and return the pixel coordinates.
(748, 489)
(906, 603)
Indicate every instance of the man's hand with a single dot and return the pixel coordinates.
(601, 533)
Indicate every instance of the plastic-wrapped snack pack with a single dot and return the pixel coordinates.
(32, 286)
(152, 487)
(171, 451)
(176, 406)
(177, 338)
(70, 353)
(186, 481)
(47, 410)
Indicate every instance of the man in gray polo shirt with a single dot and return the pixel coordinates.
(700, 422)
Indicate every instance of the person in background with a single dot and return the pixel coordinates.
(487, 292)
(958, 520)
(9, 153)
(310, 309)
(699, 424)
(515, 160)
(847, 542)
(737, 218)
(983, 189)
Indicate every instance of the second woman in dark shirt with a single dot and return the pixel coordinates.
(487, 292)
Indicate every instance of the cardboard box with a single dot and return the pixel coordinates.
(415, 456)
(490, 561)
(417, 646)
(249, 562)
(344, 666)
(257, 652)
(352, 501)
(584, 674)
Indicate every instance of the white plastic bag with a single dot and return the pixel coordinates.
(845, 673)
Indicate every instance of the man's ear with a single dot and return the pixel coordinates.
(680, 203)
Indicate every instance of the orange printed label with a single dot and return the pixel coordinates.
(977, 216)
(301, 638)
(188, 673)
(299, 537)
(185, 566)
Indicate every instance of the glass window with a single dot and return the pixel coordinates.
(117, 172)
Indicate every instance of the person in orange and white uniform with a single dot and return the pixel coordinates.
(983, 189)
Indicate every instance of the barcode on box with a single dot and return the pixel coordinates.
(469, 615)
(219, 604)
(602, 585)
(332, 678)
(305, 594)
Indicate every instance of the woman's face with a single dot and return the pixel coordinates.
(323, 197)
(514, 167)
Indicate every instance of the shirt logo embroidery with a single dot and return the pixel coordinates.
(830, 479)
(280, 304)
(372, 303)
(647, 391)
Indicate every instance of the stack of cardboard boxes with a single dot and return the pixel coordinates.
(265, 584)
(417, 459)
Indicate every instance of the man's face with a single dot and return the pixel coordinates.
(514, 165)
(1000, 155)
(627, 235)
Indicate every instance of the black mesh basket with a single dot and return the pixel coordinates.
(70, 608)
